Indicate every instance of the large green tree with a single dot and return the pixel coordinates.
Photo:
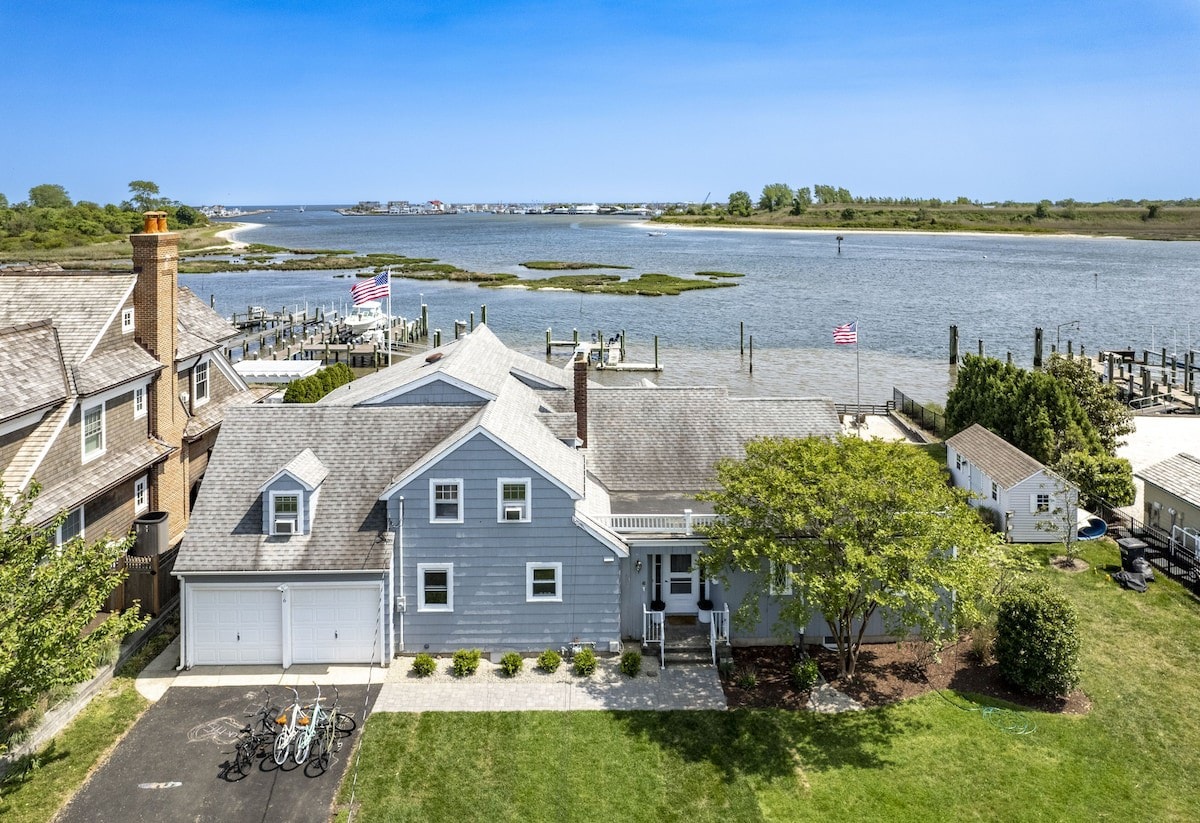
(775, 196)
(857, 528)
(740, 204)
(144, 195)
(801, 200)
(49, 196)
(48, 597)
(1111, 418)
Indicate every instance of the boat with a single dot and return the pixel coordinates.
(364, 317)
(657, 233)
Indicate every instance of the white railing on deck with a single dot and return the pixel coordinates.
(718, 630)
(684, 523)
(654, 631)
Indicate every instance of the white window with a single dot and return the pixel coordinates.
(127, 320)
(543, 582)
(435, 587)
(93, 431)
(71, 527)
(200, 384)
(1041, 503)
(285, 513)
(995, 491)
(513, 499)
(141, 495)
(139, 402)
(781, 578)
(958, 461)
(445, 501)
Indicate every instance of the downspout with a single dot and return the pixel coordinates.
(402, 601)
(183, 623)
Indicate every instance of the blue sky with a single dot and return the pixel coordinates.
(331, 102)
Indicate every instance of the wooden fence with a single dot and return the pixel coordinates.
(148, 583)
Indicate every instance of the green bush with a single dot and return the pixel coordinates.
(1037, 640)
(585, 663)
(313, 388)
(512, 663)
(725, 667)
(465, 662)
(549, 661)
(805, 674)
(631, 663)
(424, 665)
(746, 677)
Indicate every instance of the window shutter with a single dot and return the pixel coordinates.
(1033, 504)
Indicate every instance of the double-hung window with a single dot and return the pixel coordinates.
(513, 497)
(139, 402)
(141, 495)
(285, 513)
(995, 491)
(445, 501)
(543, 582)
(93, 431)
(71, 527)
(435, 587)
(200, 384)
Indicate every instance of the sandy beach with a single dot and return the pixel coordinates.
(229, 234)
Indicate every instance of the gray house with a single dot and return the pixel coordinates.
(1032, 503)
(475, 497)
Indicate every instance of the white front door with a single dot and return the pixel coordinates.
(681, 583)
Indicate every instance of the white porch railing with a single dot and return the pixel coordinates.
(654, 631)
(683, 524)
(718, 630)
(1186, 539)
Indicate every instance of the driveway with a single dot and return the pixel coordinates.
(169, 765)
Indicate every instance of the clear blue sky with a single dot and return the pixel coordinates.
(330, 102)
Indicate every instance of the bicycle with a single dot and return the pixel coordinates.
(289, 724)
(336, 725)
(308, 732)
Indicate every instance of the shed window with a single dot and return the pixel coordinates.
(1041, 503)
(781, 578)
(995, 491)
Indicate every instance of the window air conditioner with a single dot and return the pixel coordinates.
(513, 512)
(285, 526)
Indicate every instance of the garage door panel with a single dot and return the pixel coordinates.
(236, 626)
(335, 624)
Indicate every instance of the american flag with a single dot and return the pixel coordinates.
(846, 334)
(377, 288)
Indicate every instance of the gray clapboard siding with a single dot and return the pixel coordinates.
(435, 393)
(489, 557)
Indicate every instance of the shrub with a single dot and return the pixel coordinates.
(512, 663)
(424, 665)
(725, 666)
(1037, 641)
(746, 677)
(465, 662)
(549, 661)
(585, 662)
(805, 674)
(631, 663)
(983, 637)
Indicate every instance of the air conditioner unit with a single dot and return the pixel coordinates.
(513, 512)
(285, 525)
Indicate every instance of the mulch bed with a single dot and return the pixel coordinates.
(886, 673)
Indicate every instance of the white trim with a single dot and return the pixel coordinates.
(226, 368)
(99, 451)
(197, 400)
(282, 473)
(422, 606)
(58, 533)
(27, 419)
(273, 521)
(116, 312)
(771, 573)
(425, 380)
(504, 509)
(128, 323)
(533, 566)
(542, 383)
(460, 496)
(139, 391)
(608, 539)
(142, 484)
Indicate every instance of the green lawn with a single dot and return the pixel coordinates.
(1135, 756)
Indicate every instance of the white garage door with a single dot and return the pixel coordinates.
(335, 624)
(231, 626)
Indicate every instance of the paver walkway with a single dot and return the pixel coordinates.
(490, 690)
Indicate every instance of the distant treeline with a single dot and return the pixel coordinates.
(49, 219)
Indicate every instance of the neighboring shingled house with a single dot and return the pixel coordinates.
(114, 388)
(1172, 500)
(475, 497)
(1032, 503)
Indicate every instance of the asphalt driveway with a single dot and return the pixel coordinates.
(169, 766)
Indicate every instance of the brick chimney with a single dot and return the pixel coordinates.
(581, 398)
(155, 294)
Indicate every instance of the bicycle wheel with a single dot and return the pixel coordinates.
(303, 746)
(345, 723)
(243, 758)
(320, 754)
(283, 742)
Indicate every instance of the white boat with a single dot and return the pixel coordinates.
(657, 233)
(364, 317)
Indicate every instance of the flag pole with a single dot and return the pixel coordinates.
(857, 380)
(389, 316)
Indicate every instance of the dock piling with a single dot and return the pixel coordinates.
(953, 345)
(1037, 347)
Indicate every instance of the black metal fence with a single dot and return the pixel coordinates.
(1177, 562)
(914, 411)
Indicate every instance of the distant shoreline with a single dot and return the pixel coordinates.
(228, 235)
(833, 232)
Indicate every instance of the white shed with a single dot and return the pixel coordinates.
(1033, 504)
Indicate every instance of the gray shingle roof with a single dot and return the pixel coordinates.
(1178, 475)
(113, 367)
(81, 304)
(662, 440)
(995, 456)
(200, 328)
(31, 369)
(305, 467)
(362, 448)
(115, 467)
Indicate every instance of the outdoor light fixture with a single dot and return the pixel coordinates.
(637, 566)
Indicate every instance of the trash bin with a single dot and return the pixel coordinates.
(150, 534)
(1132, 550)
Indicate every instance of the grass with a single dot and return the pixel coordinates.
(1134, 756)
(647, 285)
(559, 265)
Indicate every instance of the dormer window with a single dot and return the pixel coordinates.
(127, 320)
(513, 498)
(285, 513)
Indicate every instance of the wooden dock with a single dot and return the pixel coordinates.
(1157, 382)
(601, 352)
